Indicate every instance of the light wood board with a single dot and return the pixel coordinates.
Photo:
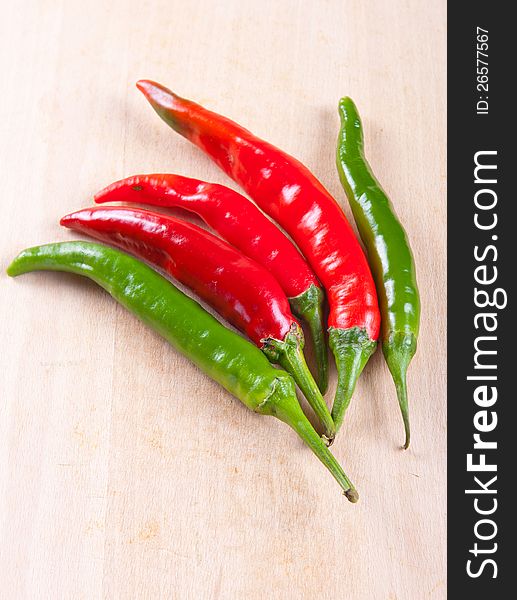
(125, 472)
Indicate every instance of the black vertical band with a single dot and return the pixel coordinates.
(482, 266)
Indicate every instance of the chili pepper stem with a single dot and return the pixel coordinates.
(401, 388)
(308, 306)
(399, 349)
(288, 353)
(282, 405)
(351, 348)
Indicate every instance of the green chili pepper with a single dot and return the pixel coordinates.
(389, 253)
(232, 361)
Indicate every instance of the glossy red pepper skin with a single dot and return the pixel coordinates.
(243, 225)
(235, 218)
(237, 287)
(287, 191)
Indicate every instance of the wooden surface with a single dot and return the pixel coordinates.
(126, 473)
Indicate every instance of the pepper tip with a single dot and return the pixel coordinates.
(11, 270)
(145, 86)
(72, 218)
(345, 102)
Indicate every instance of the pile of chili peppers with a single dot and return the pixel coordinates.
(258, 279)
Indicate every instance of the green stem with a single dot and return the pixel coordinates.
(282, 405)
(288, 353)
(308, 306)
(351, 348)
(401, 387)
(399, 349)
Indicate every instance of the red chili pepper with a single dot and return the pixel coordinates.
(237, 287)
(244, 226)
(290, 194)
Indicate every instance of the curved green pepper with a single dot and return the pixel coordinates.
(226, 357)
(389, 253)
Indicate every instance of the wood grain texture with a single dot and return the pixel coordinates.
(124, 472)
